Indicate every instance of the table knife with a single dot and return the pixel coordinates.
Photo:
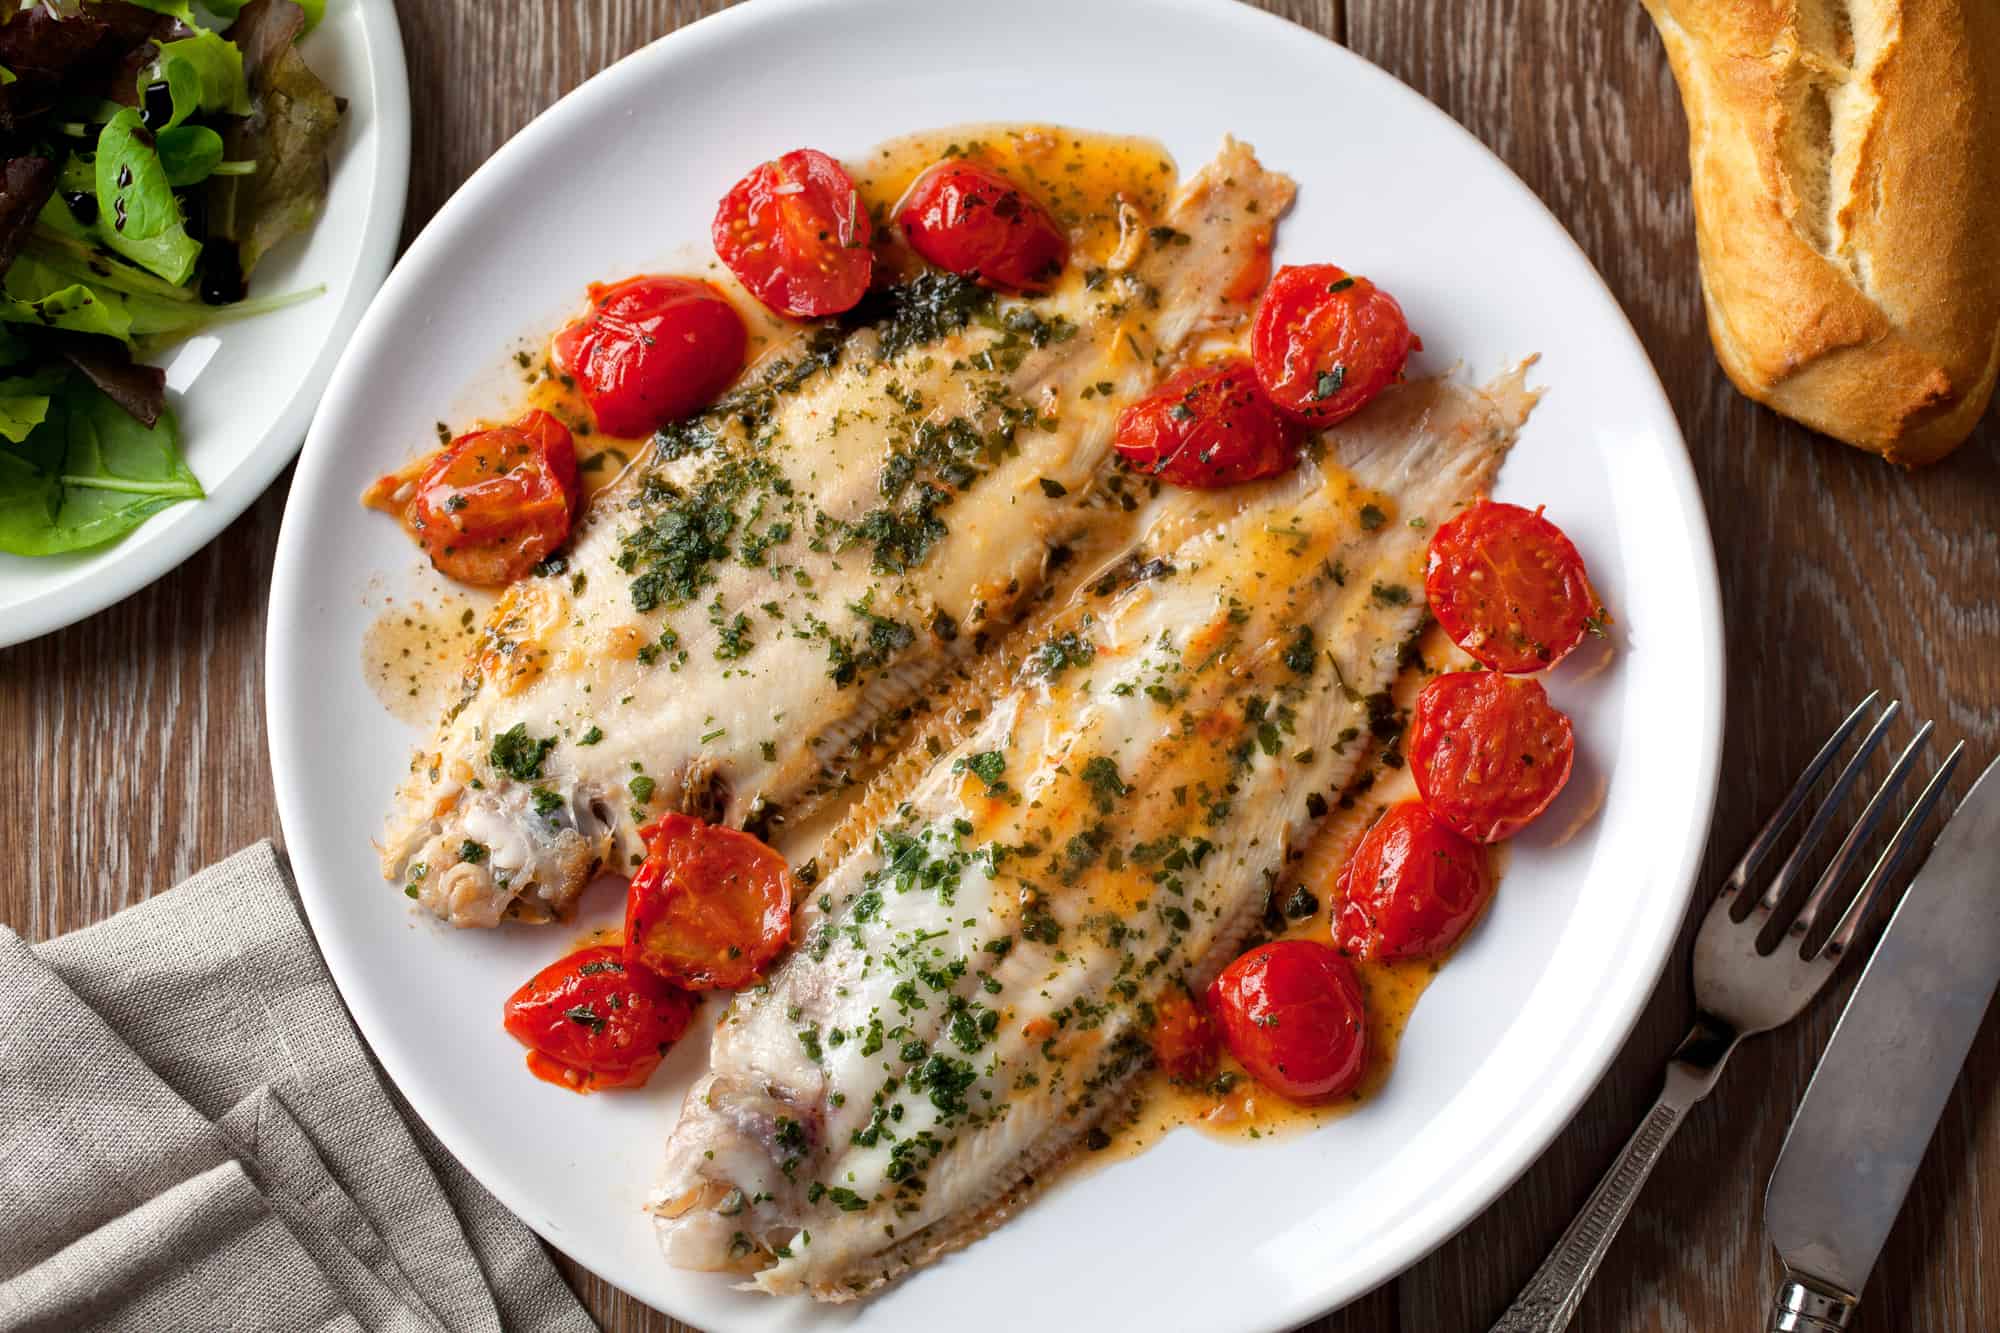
(1880, 1087)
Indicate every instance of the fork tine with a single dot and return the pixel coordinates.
(1767, 837)
(1892, 856)
(1780, 888)
(1849, 852)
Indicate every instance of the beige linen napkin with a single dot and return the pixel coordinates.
(193, 1136)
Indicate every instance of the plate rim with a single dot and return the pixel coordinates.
(381, 230)
(1561, 1098)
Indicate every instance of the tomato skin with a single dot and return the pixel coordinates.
(1411, 889)
(653, 349)
(494, 503)
(1206, 426)
(1489, 752)
(1292, 1012)
(1325, 343)
(1185, 1045)
(796, 234)
(710, 906)
(1508, 587)
(979, 224)
(590, 1022)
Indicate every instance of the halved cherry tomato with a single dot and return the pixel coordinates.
(1184, 1040)
(1411, 888)
(1325, 343)
(795, 232)
(652, 349)
(1508, 587)
(1489, 752)
(495, 502)
(1292, 1013)
(979, 224)
(1206, 426)
(589, 1022)
(710, 906)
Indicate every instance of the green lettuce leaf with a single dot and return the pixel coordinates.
(34, 293)
(87, 474)
(206, 67)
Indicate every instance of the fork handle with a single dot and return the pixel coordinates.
(1549, 1301)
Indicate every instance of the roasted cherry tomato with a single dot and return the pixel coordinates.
(652, 350)
(1184, 1041)
(795, 232)
(709, 908)
(979, 224)
(1489, 752)
(1508, 587)
(590, 1022)
(1411, 888)
(1325, 343)
(494, 503)
(1292, 1013)
(1206, 426)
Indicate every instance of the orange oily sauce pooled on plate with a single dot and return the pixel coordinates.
(413, 655)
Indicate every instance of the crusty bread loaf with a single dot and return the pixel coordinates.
(1846, 158)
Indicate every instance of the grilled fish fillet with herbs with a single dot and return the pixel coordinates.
(973, 982)
(772, 579)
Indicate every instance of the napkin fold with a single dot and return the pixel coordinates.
(193, 1136)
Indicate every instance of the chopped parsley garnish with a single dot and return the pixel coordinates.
(1061, 652)
(930, 306)
(519, 755)
(987, 766)
(472, 853)
(1300, 654)
(591, 737)
(1329, 383)
(641, 788)
(1106, 787)
(1372, 517)
(546, 801)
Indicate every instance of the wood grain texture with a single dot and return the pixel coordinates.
(138, 750)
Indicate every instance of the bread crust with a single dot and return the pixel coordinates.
(1846, 167)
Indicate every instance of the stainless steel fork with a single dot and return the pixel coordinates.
(1757, 963)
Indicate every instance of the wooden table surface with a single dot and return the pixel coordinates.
(136, 749)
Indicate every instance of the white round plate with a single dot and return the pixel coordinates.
(1194, 1233)
(245, 392)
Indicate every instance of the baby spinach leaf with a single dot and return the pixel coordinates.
(183, 82)
(24, 405)
(189, 153)
(139, 216)
(87, 474)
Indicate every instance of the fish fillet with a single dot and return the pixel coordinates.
(972, 983)
(770, 582)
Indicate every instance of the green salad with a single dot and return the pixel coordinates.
(154, 152)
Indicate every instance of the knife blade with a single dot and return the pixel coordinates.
(1883, 1081)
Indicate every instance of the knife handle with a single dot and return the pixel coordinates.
(1805, 1306)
